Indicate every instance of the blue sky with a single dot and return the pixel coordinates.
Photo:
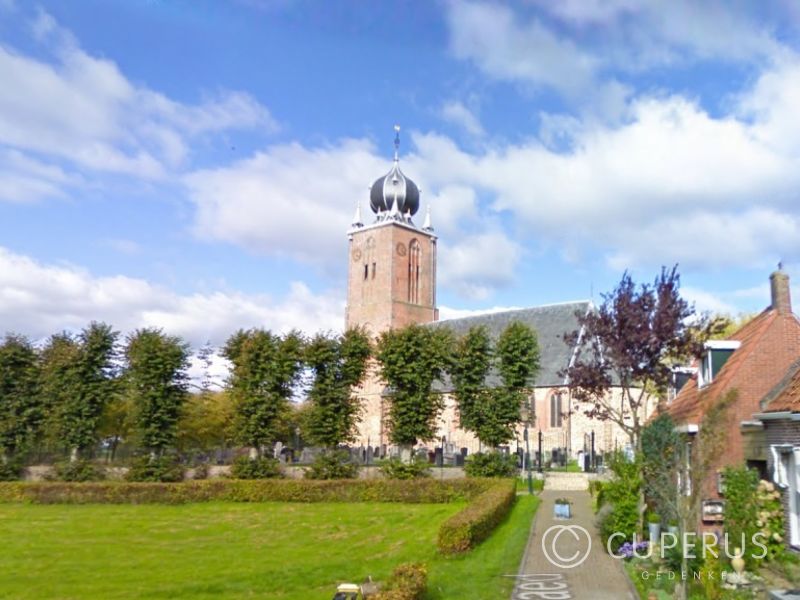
(195, 165)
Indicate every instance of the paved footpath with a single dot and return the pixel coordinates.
(595, 576)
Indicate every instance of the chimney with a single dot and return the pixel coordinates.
(781, 297)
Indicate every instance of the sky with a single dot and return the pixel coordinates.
(195, 165)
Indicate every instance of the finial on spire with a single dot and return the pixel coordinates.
(780, 265)
(396, 143)
(427, 226)
(357, 222)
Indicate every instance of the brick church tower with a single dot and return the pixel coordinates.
(392, 261)
(391, 279)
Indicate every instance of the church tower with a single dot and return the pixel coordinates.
(392, 261)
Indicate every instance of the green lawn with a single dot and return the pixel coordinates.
(224, 550)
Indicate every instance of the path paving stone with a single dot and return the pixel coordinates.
(598, 576)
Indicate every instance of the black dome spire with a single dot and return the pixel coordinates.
(394, 193)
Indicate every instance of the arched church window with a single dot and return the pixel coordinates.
(414, 253)
(555, 410)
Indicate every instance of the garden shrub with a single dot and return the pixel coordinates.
(332, 465)
(491, 464)
(78, 470)
(408, 582)
(618, 500)
(245, 467)
(10, 471)
(394, 468)
(769, 513)
(475, 523)
(201, 471)
(740, 515)
(230, 490)
(163, 469)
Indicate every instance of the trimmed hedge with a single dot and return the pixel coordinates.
(234, 490)
(408, 582)
(466, 529)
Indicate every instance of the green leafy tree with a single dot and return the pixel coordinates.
(411, 359)
(339, 364)
(471, 365)
(58, 383)
(206, 422)
(661, 448)
(492, 413)
(266, 367)
(88, 383)
(156, 379)
(20, 401)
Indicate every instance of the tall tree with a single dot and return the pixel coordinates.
(518, 363)
(88, 385)
(156, 377)
(492, 413)
(20, 401)
(266, 367)
(631, 341)
(472, 363)
(339, 364)
(411, 359)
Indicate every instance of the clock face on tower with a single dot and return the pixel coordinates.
(401, 249)
(356, 255)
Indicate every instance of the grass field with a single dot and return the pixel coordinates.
(223, 550)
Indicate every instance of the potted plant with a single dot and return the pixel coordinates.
(654, 526)
(672, 526)
(562, 509)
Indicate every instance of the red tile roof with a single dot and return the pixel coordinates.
(691, 403)
(785, 397)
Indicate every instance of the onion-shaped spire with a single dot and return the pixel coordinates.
(394, 193)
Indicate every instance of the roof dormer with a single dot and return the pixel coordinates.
(716, 353)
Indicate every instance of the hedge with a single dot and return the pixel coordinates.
(234, 490)
(468, 528)
(408, 582)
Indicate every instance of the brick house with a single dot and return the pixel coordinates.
(749, 364)
(781, 419)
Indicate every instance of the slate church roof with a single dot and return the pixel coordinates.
(550, 322)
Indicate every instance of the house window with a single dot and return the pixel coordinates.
(555, 410)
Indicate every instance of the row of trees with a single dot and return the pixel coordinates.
(79, 390)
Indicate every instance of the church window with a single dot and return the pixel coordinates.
(414, 252)
(555, 410)
(373, 270)
(366, 272)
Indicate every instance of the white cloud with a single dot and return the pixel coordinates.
(39, 299)
(672, 183)
(489, 35)
(457, 113)
(707, 302)
(477, 264)
(79, 110)
(288, 199)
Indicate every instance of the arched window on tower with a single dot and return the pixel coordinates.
(414, 253)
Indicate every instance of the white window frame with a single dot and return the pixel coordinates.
(794, 497)
(786, 475)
